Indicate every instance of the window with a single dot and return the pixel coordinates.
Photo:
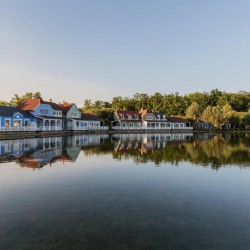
(44, 112)
(7, 123)
(17, 123)
(26, 123)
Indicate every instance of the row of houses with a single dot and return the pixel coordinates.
(148, 120)
(40, 115)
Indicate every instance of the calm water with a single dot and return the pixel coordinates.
(168, 191)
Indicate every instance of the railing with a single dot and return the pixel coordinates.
(98, 128)
(49, 128)
(180, 128)
(17, 129)
(94, 128)
(126, 128)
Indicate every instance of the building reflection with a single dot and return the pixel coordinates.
(205, 149)
(147, 142)
(36, 153)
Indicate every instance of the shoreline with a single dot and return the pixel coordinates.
(25, 134)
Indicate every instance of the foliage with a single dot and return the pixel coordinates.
(193, 111)
(16, 99)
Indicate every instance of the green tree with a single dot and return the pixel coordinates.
(193, 111)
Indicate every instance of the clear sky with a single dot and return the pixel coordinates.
(96, 49)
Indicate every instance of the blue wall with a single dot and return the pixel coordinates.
(16, 116)
(43, 110)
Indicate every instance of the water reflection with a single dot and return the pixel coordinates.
(36, 153)
(109, 202)
(204, 149)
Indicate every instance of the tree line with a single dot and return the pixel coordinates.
(215, 106)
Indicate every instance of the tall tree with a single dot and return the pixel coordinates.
(193, 111)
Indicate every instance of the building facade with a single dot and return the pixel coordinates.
(125, 119)
(148, 120)
(15, 119)
(48, 114)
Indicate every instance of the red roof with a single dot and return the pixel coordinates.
(32, 104)
(126, 113)
(65, 107)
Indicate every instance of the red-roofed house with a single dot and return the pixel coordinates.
(48, 114)
(148, 120)
(125, 119)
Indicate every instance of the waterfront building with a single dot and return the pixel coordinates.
(154, 120)
(125, 119)
(71, 115)
(200, 124)
(15, 119)
(148, 120)
(178, 123)
(48, 114)
(77, 121)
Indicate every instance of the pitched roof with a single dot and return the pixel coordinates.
(176, 119)
(52, 104)
(65, 107)
(126, 113)
(31, 104)
(146, 111)
(10, 111)
(90, 117)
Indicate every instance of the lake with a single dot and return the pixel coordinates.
(150, 191)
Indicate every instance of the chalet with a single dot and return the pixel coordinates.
(15, 119)
(154, 120)
(124, 119)
(48, 114)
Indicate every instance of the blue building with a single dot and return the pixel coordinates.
(15, 119)
(48, 114)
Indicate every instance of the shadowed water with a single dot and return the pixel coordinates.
(158, 191)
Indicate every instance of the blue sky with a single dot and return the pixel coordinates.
(96, 49)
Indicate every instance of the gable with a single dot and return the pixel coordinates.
(43, 110)
(17, 115)
(73, 112)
